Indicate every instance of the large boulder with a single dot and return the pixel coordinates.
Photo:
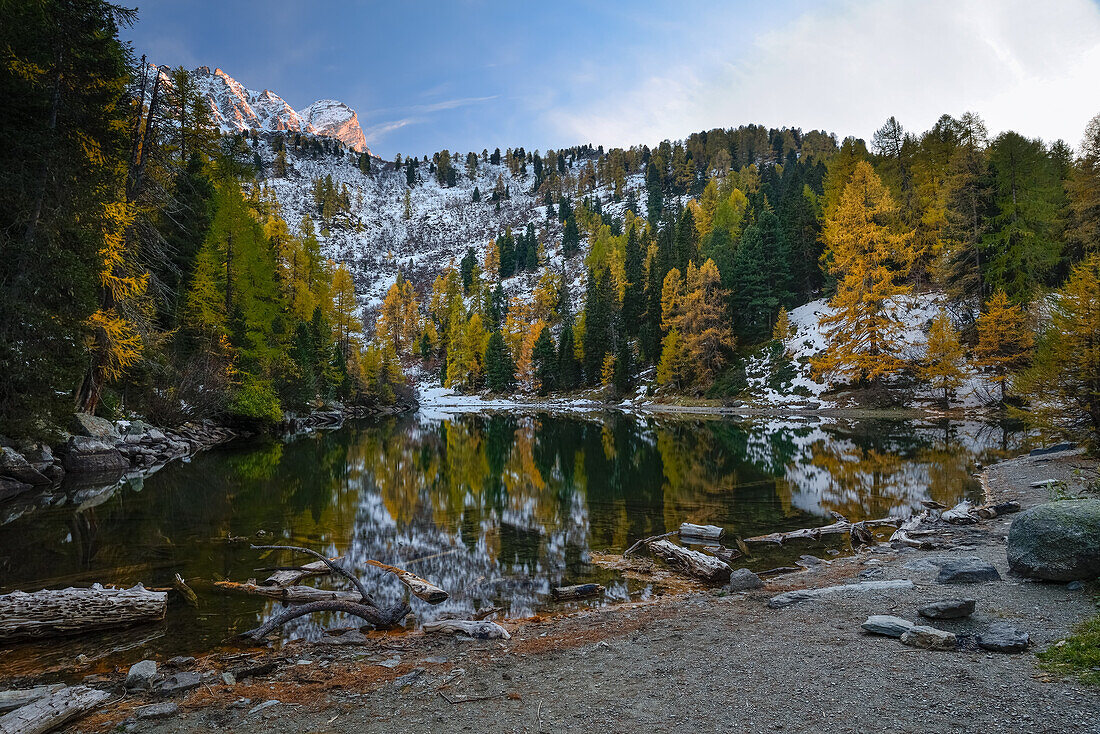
(1058, 541)
(84, 424)
(13, 464)
(85, 455)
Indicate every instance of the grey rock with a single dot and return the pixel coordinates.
(142, 675)
(884, 624)
(948, 609)
(1074, 586)
(1003, 637)
(409, 678)
(13, 464)
(788, 598)
(967, 571)
(179, 683)
(87, 455)
(11, 487)
(929, 638)
(180, 661)
(1057, 541)
(743, 579)
(157, 710)
(84, 424)
(229, 679)
(136, 428)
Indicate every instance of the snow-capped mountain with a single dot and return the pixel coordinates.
(236, 108)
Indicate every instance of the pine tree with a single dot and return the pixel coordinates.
(1084, 195)
(944, 358)
(760, 276)
(571, 238)
(1004, 340)
(500, 372)
(1063, 382)
(655, 195)
(546, 362)
(869, 258)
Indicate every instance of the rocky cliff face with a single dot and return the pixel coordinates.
(235, 108)
(336, 120)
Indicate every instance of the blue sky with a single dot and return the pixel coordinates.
(466, 74)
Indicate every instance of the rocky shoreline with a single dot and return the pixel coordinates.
(97, 452)
(965, 626)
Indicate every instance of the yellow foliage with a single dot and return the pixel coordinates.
(1004, 339)
(945, 357)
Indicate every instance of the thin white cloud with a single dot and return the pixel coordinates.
(374, 133)
(1031, 67)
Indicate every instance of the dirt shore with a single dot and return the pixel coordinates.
(704, 661)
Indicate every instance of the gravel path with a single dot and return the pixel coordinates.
(704, 662)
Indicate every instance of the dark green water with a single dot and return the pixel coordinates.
(495, 509)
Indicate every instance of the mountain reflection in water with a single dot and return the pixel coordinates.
(496, 509)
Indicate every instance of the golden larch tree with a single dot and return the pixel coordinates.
(944, 358)
(870, 257)
(1004, 340)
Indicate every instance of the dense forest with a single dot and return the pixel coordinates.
(148, 268)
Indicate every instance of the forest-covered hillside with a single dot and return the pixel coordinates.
(154, 266)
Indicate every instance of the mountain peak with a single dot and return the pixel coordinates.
(236, 108)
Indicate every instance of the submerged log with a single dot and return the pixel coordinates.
(52, 711)
(705, 532)
(421, 588)
(288, 594)
(70, 611)
(580, 591)
(379, 618)
(837, 528)
(484, 629)
(291, 576)
(693, 563)
(722, 553)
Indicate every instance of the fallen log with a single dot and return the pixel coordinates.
(694, 563)
(580, 591)
(185, 591)
(483, 630)
(71, 611)
(639, 543)
(996, 509)
(50, 712)
(704, 532)
(421, 588)
(288, 594)
(292, 575)
(959, 514)
(14, 699)
(722, 553)
(837, 528)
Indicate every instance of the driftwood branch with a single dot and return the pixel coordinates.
(291, 575)
(421, 588)
(380, 618)
(288, 594)
(836, 528)
(694, 563)
(638, 544)
(332, 566)
(483, 629)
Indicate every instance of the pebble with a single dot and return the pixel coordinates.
(157, 710)
(141, 675)
(179, 683)
(261, 706)
(743, 579)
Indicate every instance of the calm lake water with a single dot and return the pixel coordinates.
(496, 509)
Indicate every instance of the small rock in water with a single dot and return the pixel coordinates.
(179, 683)
(1003, 637)
(948, 609)
(967, 571)
(743, 579)
(141, 675)
(157, 711)
(929, 638)
(884, 624)
(1074, 586)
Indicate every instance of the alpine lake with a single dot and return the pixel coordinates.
(495, 508)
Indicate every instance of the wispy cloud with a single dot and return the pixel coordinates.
(374, 133)
(848, 66)
(414, 114)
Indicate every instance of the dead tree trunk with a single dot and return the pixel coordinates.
(421, 588)
(71, 611)
(50, 712)
(288, 594)
(839, 527)
(694, 563)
